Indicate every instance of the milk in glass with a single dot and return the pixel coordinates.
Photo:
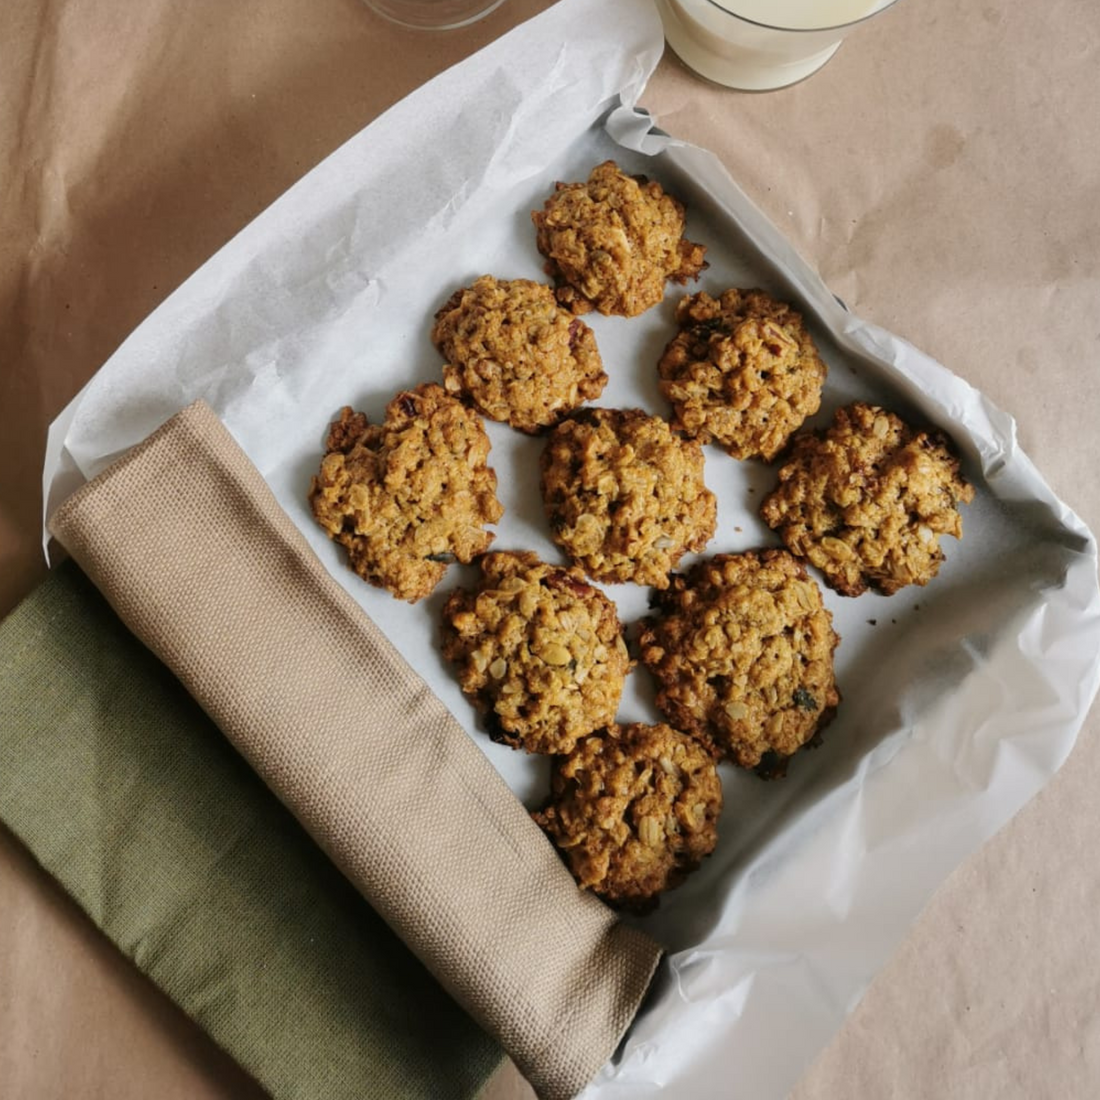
(774, 43)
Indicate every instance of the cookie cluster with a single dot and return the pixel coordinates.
(740, 646)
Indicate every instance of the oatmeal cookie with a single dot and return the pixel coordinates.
(624, 495)
(633, 811)
(742, 651)
(540, 651)
(867, 499)
(743, 372)
(517, 355)
(611, 243)
(408, 495)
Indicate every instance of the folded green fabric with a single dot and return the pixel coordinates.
(129, 795)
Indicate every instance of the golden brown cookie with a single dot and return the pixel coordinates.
(743, 372)
(611, 243)
(742, 651)
(633, 811)
(516, 354)
(866, 500)
(625, 496)
(540, 651)
(406, 496)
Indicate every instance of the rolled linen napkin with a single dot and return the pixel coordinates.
(188, 544)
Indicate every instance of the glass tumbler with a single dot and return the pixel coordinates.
(757, 45)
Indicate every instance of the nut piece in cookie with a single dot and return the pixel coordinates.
(406, 496)
(516, 354)
(743, 372)
(742, 652)
(540, 651)
(633, 811)
(625, 495)
(611, 243)
(867, 499)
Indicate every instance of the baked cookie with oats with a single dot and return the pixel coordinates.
(406, 496)
(625, 495)
(633, 811)
(539, 650)
(516, 354)
(867, 499)
(742, 652)
(743, 372)
(612, 243)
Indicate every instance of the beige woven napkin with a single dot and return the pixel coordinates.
(188, 544)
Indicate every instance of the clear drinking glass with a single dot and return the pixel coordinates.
(757, 45)
(437, 15)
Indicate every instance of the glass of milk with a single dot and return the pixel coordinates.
(756, 45)
(436, 15)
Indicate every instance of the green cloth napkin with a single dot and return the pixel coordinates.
(129, 795)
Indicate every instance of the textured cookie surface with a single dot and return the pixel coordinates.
(866, 500)
(742, 651)
(611, 243)
(519, 356)
(625, 496)
(633, 811)
(406, 496)
(743, 372)
(540, 651)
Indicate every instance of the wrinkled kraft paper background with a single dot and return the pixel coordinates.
(939, 172)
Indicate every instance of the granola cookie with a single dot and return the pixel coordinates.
(540, 651)
(613, 242)
(633, 811)
(406, 496)
(867, 499)
(516, 354)
(624, 495)
(743, 372)
(742, 651)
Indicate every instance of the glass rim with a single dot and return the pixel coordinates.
(382, 8)
(800, 30)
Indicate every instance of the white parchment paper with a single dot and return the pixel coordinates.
(959, 700)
